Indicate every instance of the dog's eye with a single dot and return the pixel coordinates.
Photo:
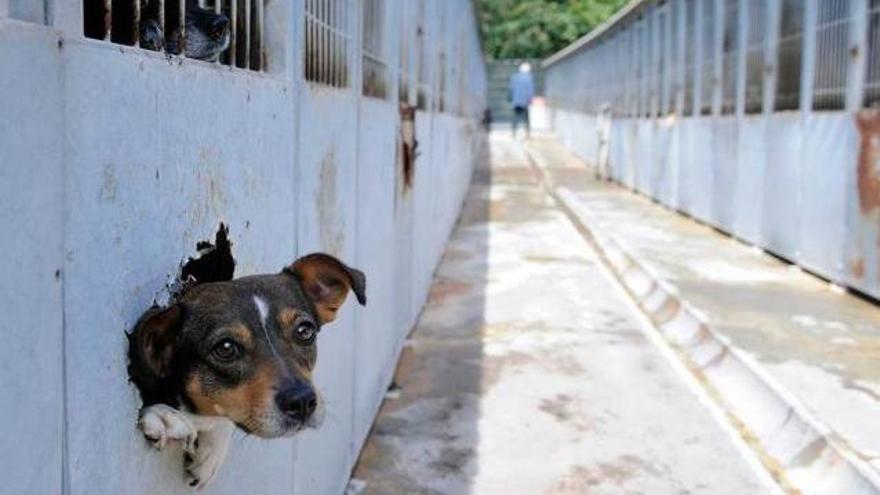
(226, 350)
(305, 332)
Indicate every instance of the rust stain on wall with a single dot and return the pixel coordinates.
(408, 144)
(857, 268)
(868, 189)
(868, 167)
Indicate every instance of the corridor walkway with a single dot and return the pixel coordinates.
(530, 373)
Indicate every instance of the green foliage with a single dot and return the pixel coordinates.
(537, 28)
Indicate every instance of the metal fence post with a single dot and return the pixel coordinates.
(858, 51)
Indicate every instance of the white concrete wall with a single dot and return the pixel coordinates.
(114, 162)
(783, 182)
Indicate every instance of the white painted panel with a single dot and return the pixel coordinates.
(144, 185)
(31, 216)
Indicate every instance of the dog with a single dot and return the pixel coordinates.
(237, 353)
(207, 34)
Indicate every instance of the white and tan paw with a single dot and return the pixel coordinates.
(162, 424)
(203, 464)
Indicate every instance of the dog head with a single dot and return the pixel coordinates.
(245, 349)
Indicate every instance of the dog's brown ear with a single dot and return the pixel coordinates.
(326, 280)
(152, 343)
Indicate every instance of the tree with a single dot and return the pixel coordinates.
(537, 28)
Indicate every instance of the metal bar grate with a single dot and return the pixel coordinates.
(209, 30)
(327, 43)
(832, 55)
(790, 52)
(375, 78)
(756, 27)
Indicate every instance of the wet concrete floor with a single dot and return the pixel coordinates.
(528, 373)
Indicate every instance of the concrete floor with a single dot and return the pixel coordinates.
(816, 343)
(529, 373)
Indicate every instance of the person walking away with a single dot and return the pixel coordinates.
(520, 92)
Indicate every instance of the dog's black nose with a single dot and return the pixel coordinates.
(219, 26)
(298, 400)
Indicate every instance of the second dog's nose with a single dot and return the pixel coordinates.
(298, 401)
(219, 26)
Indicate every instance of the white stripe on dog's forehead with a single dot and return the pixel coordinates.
(262, 308)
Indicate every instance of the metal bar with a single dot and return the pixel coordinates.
(653, 64)
(136, 22)
(108, 19)
(247, 34)
(160, 5)
(699, 33)
(809, 56)
(718, 47)
(258, 48)
(858, 51)
(307, 42)
(181, 20)
(742, 52)
(320, 42)
(681, 72)
(218, 9)
(771, 55)
(233, 31)
(670, 68)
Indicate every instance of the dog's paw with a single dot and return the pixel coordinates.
(161, 424)
(203, 464)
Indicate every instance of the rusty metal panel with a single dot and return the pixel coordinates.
(724, 167)
(829, 143)
(751, 163)
(780, 230)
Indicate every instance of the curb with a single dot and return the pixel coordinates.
(798, 450)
